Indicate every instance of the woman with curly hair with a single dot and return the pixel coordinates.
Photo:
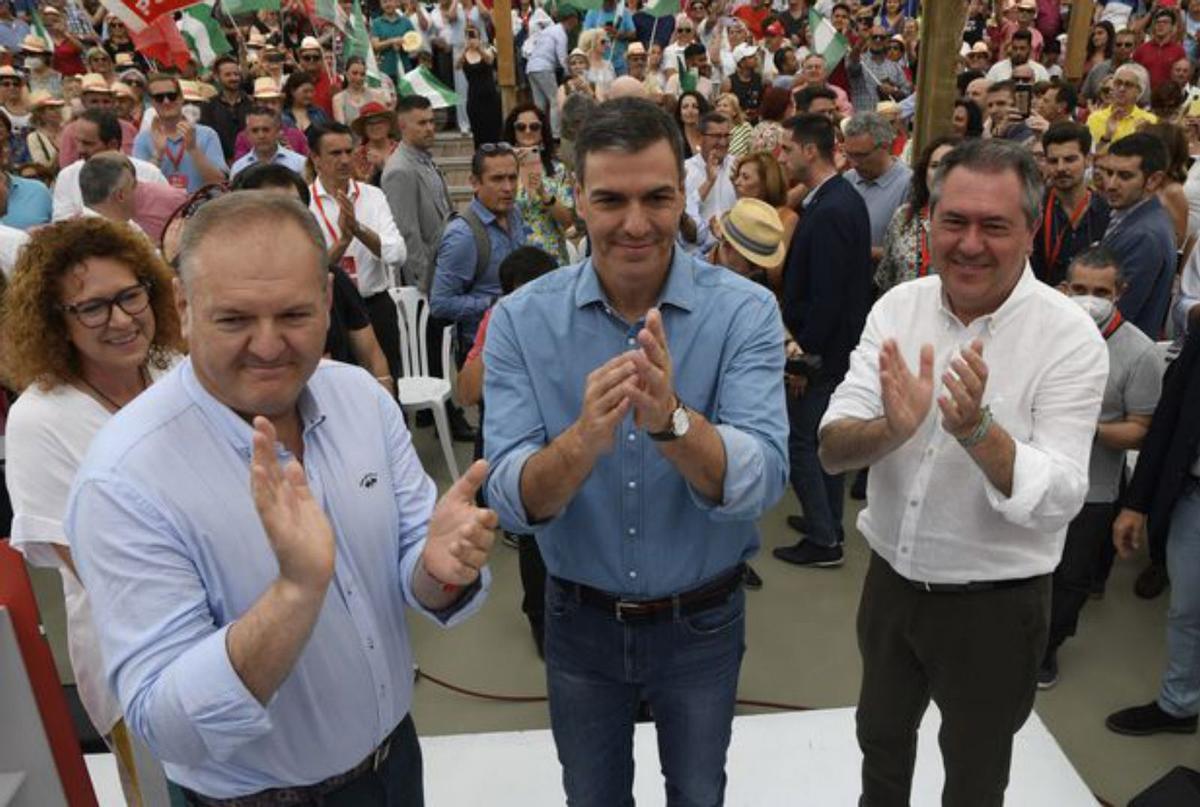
(88, 322)
(545, 193)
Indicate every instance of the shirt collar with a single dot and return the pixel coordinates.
(808, 200)
(883, 180)
(319, 189)
(993, 321)
(230, 424)
(678, 292)
(481, 210)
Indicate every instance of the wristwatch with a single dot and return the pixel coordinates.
(677, 426)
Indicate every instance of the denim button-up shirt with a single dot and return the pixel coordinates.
(636, 527)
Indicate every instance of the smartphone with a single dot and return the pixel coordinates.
(1023, 96)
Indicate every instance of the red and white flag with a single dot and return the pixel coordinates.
(139, 14)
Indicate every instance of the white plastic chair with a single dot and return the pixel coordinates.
(418, 390)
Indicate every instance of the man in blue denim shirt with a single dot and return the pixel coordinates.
(637, 427)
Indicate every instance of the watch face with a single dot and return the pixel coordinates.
(680, 422)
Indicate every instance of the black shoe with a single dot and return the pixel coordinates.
(1141, 721)
(750, 579)
(858, 490)
(1047, 674)
(460, 429)
(1151, 582)
(799, 524)
(806, 553)
(424, 419)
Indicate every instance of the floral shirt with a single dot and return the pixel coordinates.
(543, 231)
(905, 250)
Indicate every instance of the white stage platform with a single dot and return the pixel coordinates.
(779, 759)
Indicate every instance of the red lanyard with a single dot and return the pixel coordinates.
(1072, 222)
(175, 158)
(1113, 324)
(923, 244)
(333, 234)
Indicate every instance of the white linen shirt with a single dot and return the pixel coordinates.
(374, 273)
(721, 196)
(68, 198)
(932, 514)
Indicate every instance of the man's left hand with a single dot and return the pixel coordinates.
(460, 533)
(965, 383)
(652, 392)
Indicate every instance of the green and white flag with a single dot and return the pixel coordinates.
(826, 40)
(661, 8)
(420, 81)
(235, 7)
(203, 33)
(358, 43)
(39, 28)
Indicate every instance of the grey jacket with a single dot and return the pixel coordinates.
(420, 203)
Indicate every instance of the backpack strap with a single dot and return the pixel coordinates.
(483, 244)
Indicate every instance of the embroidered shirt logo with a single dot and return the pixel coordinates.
(368, 481)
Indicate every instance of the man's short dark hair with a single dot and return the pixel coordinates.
(407, 103)
(966, 77)
(263, 112)
(711, 119)
(1147, 147)
(1024, 36)
(101, 175)
(1065, 94)
(1096, 258)
(805, 97)
(816, 130)
(223, 60)
(270, 175)
(994, 156)
(522, 265)
(1068, 131)
(627, 125)
(319, 131)
(489, 151)
(107, 124)
(694, 49)
(778, 58)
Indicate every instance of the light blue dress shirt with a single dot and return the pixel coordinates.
(883, 196)
(455, 295)
(29, 203)
(286, 157)
(165, 535)
(206, 139)
(636, 527)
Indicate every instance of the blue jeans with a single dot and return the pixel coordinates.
(819, 493)
(1180, 694)
(598, 670)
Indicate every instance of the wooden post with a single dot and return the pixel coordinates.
(507, 70)
(1079, 31)
(941, 39)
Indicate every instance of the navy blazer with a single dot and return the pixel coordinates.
(827, 275)
(1144, 244)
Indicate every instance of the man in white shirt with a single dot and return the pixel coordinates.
(1019, 51)
(708, 175)
(968, 500)
(11, 241)
(262, 127)
(96, 131)
(359, 231)
(548, 52)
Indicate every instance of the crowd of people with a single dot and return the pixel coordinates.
(702, 259)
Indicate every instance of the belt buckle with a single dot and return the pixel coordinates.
(928, 586)
(617, 610)
(380, 754)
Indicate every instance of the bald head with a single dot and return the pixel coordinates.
(626, 87)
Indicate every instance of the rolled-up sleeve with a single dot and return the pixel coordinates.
(1050, 470)
(416, 496)
(514, 429)
(858, 396)
(165, 658)
(751, 418)
(451, 296)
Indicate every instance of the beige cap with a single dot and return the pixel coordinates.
(94, 82)
(34, 44)
(635, 49)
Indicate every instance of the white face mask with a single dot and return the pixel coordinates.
(1099, 309)
(191, 113)
(35, 62)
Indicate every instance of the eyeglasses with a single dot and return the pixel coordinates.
(1128, 85)
(165, 97)
(98, 312)
(496, 148)
(536, 126)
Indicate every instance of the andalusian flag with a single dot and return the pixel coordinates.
(234, 7)
(39, 28)
(358, 43)
(420, 81)
(826, 40)
(203, 33)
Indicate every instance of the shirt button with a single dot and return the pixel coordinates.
(904, 550)
(913, 503)
(631, 342)
(632, 485)
(929, 452)
(370, 643)
(633, 530)
(633, 574)
(632, 437)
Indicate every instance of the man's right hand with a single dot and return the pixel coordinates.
(296, 526)
(1128, 530)
(605, 404)
(907, 398)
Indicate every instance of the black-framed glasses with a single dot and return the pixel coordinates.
(97, 312)
(165, 97)
(536, 126)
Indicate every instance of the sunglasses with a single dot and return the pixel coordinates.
(529, 127)
(496, 148)
(165, 97)
(312, 57)
(10, 82)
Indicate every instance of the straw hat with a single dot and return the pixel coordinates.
(256, 40)
(411, 41)
(635, 49)
(34, 44)
(372, 110)
(308, 43)
(124, 59)
(7, 71)
(265, 87)
(94, 82)
(41, 98)
(754, 229)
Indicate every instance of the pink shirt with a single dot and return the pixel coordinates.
(68, 146)
(292, 137)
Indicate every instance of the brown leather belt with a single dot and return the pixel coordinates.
(702, 598)
(306, 795)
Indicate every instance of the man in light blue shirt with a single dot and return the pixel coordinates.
(24, 203)
(880, 179)
(258, 641)
(463, 286)
(189, 154)
(262, 127)
(548, 52)
(636, 426)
